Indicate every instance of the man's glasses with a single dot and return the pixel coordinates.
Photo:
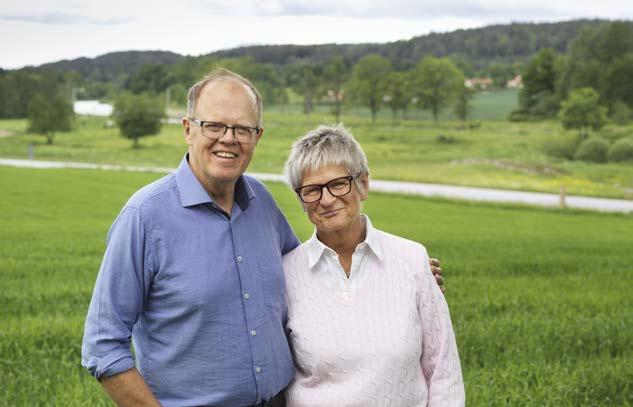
(214, 130)
(337, 187)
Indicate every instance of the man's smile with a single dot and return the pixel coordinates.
(224, 154)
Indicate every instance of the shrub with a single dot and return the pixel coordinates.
(621, 150)
(593, 149)
(560, 148)
(441, 138)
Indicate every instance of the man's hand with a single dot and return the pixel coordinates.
(437, 273)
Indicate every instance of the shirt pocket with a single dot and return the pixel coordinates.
(273, 285)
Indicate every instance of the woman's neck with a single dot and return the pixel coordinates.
(344, 242)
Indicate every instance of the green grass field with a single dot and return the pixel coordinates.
(497, 154)
(540, 299)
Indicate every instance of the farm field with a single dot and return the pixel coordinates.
(497, 154)
(540, 299)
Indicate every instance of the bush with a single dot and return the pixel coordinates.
(560, 148)
(441, 138)
(593, 149)
(621, 150)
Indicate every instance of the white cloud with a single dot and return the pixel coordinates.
(66, 29)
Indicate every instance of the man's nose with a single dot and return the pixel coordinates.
(228, 136)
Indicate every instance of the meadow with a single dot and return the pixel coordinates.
(491, 153)
(540, 299)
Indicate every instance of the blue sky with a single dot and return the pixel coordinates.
(33, 32)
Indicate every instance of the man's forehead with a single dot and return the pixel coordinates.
(225, 91)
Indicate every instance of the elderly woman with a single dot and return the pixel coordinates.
(367, 323)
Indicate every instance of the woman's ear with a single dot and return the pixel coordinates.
(363, 182)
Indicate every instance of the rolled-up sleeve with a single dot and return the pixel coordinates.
(440, 359)
(118, 297)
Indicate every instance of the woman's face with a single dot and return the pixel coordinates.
(334, 213)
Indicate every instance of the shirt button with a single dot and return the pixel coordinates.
(253, 332)
(239, 258)
(258, 369)
(247, 296)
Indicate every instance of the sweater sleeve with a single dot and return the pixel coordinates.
(440, 359)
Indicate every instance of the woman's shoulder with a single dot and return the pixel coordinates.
(295, 256)
(399, 245)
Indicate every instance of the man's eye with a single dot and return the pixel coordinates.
(214, 127)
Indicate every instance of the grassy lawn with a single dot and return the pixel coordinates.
(540, 299)
(497, 154)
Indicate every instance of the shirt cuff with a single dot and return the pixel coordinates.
(112, 365)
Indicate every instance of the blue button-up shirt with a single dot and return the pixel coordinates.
(200, 293)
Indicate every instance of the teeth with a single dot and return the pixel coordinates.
(225, 154)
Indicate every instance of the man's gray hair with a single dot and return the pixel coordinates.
(219, 75)
(326, 145)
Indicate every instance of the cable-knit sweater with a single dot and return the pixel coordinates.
(390, 344)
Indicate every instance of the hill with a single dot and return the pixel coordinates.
(479, 48)
(106, 68)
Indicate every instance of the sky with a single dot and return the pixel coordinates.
(33, 32)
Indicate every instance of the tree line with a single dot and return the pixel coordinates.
(598, 67)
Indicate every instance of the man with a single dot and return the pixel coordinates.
(192, 272)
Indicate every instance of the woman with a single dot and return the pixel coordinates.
(367, 323)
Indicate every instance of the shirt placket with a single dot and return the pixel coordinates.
(253, 301)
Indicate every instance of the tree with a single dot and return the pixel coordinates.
(598, 59)
(462, 105)
(48, 115)
(304, 80)
(437, 83)
(335, 75)
(149, 78)
(618, 81)
(538, 98)
(366, 82)
(582, 111)
(397, 92)
(138, 116)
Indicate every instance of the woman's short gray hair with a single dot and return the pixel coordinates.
(323, 146)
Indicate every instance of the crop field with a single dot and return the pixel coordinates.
(540, 299)
(494, 154)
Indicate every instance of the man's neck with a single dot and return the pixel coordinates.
(222, 193)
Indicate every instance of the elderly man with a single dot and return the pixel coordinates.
(193, 274)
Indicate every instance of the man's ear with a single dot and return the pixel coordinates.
(259, 135)
(186, 127)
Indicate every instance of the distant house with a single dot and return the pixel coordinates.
(331, 96)
(478, 83)
(515, 83)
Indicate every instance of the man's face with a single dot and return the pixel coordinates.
(219, 163)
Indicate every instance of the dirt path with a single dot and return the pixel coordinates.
(5, 133)
(414, 188)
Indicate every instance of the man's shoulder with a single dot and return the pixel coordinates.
(152, 192)
(258, 187)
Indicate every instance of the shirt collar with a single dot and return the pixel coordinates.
(316, 248)
(193, 193)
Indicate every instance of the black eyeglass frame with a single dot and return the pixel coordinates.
(254, 131)
(349, 179)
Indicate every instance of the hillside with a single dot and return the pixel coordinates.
(479, 47)
(107, 67)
